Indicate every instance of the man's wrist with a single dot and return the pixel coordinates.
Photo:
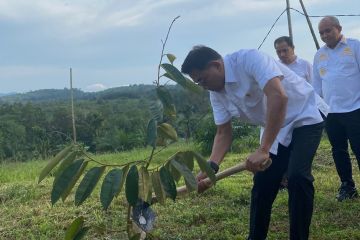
(263, 149)
(214, 166)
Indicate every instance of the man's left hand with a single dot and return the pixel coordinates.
(255, 161)
(202, 185)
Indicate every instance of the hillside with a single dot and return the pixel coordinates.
(50, 95)
(38, 123)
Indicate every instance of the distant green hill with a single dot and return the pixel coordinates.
(48, 95)
(38, 123)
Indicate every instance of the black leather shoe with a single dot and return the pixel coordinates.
(346, 191)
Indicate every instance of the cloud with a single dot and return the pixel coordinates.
(353, 31)
(250, 10)
(78, 18)
(81, 18)
(95, 87)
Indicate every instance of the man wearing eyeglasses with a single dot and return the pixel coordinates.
(255, 88)
(337, 80)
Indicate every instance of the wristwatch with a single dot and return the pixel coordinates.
(214, 166)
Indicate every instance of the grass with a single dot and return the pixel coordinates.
(220, 213)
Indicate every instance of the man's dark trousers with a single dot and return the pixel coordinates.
(297, 158)
(340, 128)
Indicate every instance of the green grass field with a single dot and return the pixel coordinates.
(220, 213)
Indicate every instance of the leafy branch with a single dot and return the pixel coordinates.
(141, 184)
(157, 83)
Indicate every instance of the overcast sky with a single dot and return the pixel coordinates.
(111, 43)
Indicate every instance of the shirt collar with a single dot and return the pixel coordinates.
(343, 41)
(229, 74)
(293, 62)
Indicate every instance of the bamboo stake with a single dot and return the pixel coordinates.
(72, 107)
(289, 20)
(310, 26)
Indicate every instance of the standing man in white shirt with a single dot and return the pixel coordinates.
(257, 89)
(285, 50)
(337, 80)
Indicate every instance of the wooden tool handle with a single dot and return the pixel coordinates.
(221, 175)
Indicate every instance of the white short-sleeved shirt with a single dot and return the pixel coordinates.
(337, 75)
(304, 69)
(246, 74)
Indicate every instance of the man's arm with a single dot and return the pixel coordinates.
(275, 115)
(222, 142)
(316, 80)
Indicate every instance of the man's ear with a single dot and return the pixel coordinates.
(338, 27)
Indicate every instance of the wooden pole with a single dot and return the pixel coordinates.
(310, 26)
(221, 175)
(72, 107)
(289, 19)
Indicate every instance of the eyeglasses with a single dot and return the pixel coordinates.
(198, 81)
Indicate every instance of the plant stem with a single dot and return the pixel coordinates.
(113, 165)
(162, 51)
(150, 158)
(129, 223)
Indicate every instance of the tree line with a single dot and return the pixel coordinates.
(37, 124)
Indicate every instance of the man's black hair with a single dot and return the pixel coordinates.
(198, 58)
(284, 39)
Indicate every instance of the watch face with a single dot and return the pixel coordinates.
(214, 166)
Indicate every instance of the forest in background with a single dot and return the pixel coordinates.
(37, 124)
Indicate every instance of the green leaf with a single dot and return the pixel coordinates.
(205, 167)
(174, 74)
(53, 162)
(168, 183)
(167, 101)
(187, 158)
(132, 186)
(187, 174)
(81, 233)
(74, 228)
(72, 183)
(70, 158)
(64, 180)
(137, 236)
(88, 184)
(190, 85)
(167, 131)
(157, 109)
(171, 57)
(158, 188)
(173, 171)
(151, 133)
(144, 184)
(125, 171)
(110, 187)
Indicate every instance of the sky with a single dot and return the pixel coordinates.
(112, 43)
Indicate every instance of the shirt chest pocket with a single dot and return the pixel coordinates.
(347, 60)
(347, 63)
